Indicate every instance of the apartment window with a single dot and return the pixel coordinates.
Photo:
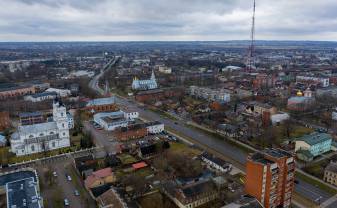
(32, 148)
(63, 125)
(64, 134)
(53, 144)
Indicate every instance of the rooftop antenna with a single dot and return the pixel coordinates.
(251, 49)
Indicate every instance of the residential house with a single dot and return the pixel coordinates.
(100, 177)
(330, 173)
(311, 145)
(110, 199)
(191, 195)
(216, 163)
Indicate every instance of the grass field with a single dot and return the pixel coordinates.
(176, 147)
(127, 159)
(10, 158)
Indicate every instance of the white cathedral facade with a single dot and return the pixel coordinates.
(148, 84)
(44, 136)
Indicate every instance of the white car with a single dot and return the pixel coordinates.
(68, 178)
(66, 202)
(54, 174)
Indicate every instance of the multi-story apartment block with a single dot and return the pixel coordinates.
(222, 95)
(270, 177)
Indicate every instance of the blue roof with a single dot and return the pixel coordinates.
(315, 138)
(298, 99)
(28, 114)
(101, 101)
(44, 94)
(2, 139)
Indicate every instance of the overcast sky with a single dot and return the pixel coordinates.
(128, 20)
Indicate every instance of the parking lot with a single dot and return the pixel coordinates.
(65, 182)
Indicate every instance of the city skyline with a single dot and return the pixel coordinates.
(147, 20)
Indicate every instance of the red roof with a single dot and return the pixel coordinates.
(139, 165)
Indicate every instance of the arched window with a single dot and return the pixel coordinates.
(51, 132)
(33, 148)
(31, 136)
(63, 125)
(61, 114)
(41, 134)
(64, 134)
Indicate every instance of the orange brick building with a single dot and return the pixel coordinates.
(270, 177)
(102, 105)
(4, 121)
(131, 132)
(15, 91)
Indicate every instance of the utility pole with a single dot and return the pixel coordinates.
(251, 49)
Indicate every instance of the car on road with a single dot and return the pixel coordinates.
(66, 202)
(76, 193)
(54, 174)
(68, 178)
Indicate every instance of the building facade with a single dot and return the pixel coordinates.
(270, 177)
(101, 105)
(330, 173)
(31, 118)
(222, 96)
(43, 136)
(312, 145)
(4, 121)
(148, 84)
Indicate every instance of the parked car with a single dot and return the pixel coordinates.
(66, 202)
(76, 193)
(68, 178)
(54, 174)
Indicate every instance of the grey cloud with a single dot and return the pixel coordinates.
(165, 19)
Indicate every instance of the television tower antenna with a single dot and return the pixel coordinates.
(251, 49)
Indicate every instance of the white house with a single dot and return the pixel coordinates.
(131, 115)
(43, 136)
(38, 97)
(60, 92)
(216, 163)
(154, 127)
(111, 120)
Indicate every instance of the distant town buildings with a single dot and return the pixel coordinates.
(13, 90)
(41, 137)
(270, 177)
(312, 145)
(222, 96)
(148, 84)
(321, 81)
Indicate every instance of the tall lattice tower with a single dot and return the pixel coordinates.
(251, 49)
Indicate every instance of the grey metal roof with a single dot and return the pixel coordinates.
(36, 128)
(23, 193)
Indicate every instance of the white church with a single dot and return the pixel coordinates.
(44, 136)
(147, 84)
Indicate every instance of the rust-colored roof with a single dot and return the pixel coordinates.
(139, 165)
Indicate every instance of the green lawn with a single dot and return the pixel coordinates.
(11, 158)
(176, 147)
(127, 159)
